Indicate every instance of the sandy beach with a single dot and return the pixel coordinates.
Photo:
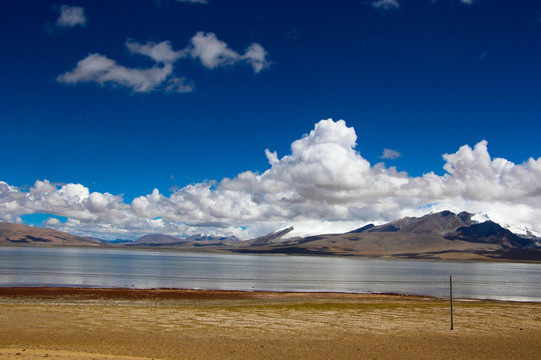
(61, 323)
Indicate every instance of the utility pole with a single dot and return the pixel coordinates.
(451, 298)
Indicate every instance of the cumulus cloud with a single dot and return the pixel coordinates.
(71, 16)
(271, 156)
(52, 222)
(205, 47)
(390, 154)
(322, 185)
(386, 4)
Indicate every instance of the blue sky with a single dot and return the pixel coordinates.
(123, 98)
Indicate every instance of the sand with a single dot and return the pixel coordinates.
(37, 323)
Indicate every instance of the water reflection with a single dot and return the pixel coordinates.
(156, 269)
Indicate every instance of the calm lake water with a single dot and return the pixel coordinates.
(144, 269)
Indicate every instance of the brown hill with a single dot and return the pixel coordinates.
(490, 232)
(382, 244)
(156, 240)
(20, 235)
(443, 235)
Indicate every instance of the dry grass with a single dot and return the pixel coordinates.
(235, 325)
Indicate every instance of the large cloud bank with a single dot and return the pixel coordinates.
(323, 185)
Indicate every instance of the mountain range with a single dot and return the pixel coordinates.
(194, 240)
(442, 235)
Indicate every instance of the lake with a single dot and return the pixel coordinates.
(145, 269)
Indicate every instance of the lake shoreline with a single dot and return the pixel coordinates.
(235, 251)
(90, 293)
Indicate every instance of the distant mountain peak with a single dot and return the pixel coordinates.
(164, 240)
(491, 232)
(362, 229)
(156, 239)
(273, 237)
(439, 223)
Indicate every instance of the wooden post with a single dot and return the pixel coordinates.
(451, 298)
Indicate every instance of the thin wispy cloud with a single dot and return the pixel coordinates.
(212, 53)
(194, 1)
(322, 185)
(484, 55)
(102, 70)
(386, 4)
(293, 34)
(204, 47)
(159, 52)
(465, 2)
(71, 16)
(390, 154)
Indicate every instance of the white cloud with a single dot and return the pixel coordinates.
(210, 51)
(323, 185)
(204, 46)
(271, 156)
(71, 16)
(386, 4)
(159, 52)
(52, 222)
(179, 85)
(256, 56)
(213, 53)
(390, 154)
(102, 70)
